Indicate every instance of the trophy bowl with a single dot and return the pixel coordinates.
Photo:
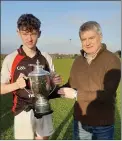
(40, 84)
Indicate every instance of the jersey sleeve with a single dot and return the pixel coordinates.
(5, 71)
(49, 60)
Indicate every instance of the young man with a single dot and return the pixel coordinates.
(94, 78)
(15, 70)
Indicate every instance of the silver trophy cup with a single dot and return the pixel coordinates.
(40, 83)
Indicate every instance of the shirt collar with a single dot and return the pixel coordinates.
(21, 51)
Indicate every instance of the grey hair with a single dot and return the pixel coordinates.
(90, 25)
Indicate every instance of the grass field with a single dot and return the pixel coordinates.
(63, 109)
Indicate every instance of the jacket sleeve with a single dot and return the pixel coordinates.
(111, 82)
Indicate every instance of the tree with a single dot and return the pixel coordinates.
(118, 53)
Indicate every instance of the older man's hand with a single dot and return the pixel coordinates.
(67, 92)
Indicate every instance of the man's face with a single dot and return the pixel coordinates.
(29, 39)
(91, 41)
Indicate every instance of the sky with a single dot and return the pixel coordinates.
(60, 23)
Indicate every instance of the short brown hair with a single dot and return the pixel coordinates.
(28, 22)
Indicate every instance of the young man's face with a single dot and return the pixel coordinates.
(29, 39)
(91, 41)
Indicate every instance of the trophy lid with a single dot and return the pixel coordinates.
(38, 70)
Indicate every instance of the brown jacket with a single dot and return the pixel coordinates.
(96, 85)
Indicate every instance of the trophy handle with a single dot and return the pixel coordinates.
(30, 91)
(53, 74)
(53, 89)
(26, 90)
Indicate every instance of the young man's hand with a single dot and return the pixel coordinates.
(21, 81)
(67, 92)
(56, 80)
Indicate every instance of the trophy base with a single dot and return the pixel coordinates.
(39, 115)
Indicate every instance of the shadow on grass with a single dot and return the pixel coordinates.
(6, 116)
(60, 127)
(68, 134)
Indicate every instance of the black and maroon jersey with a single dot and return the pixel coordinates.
(19, 63)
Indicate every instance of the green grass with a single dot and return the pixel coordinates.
(62, 67)
(118, 116)
(63, 109)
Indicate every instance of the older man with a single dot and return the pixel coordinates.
(94, 78)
